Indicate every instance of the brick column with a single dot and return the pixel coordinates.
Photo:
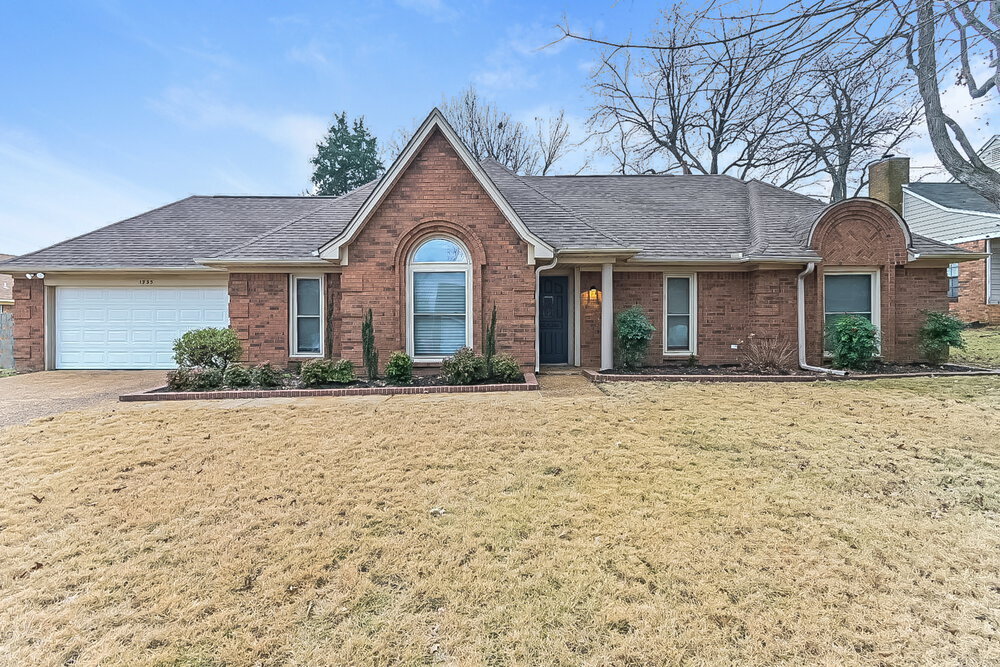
(29, 324)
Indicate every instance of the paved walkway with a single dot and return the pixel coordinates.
(32, 395)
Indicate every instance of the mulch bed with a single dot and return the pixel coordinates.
(877, 368)
(734, 373)
(294, 384)
(712, 369)
(427, 384)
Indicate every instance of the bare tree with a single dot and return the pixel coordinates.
(489, 132)
(846, 117)
(718, 109)
(927, 37)
(551, 140)
(950, 142)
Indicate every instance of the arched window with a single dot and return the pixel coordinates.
(439, 318)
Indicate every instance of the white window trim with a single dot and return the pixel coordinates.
(293, 328)
(957, 278)
(439, 267)
(692, 315)
(990, 287)
(876, 296)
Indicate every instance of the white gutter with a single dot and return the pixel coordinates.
(802, 325)
(538, 284)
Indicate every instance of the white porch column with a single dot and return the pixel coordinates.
(607, 317)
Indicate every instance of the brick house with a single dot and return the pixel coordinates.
(953, 213)
(440, 239)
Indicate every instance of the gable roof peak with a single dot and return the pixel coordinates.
(435, 121)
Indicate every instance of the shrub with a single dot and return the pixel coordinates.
(770, 355)
(506, 369)
(464, 367)
(204, 379)
(633, 331)
(238, 377)
(940, 333)
(399, 368)
(179, 379)
(370, 352)
(490, 341)
(207, 348)
(326, 371)
(266, 375)
(853, 340)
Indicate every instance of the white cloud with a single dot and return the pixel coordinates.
(312, 53)
(437, 10)
(508, 65)
(297, 133)
(46, 198)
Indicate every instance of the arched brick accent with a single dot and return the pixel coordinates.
(435, 227)
(859, 232)
(866, 233)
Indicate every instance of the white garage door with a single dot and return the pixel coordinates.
(126, 328)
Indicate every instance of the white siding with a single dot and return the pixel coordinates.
(936, 223)
(993, 265)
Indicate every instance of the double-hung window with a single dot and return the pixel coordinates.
(680, 315)
(307, 320)
(953, 281)
(438, 304)
(850, 293)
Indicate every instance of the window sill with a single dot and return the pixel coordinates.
(678, 353)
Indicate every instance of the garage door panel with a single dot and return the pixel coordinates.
(131, 328)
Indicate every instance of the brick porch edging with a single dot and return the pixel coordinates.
(597, 377)
(530, 384)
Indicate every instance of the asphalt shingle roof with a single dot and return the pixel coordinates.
(680, 217)
(954, 195)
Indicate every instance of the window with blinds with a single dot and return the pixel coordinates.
(679, 315)
(439, 304)
(307, 329)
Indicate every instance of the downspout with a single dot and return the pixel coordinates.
(810, 267)
(538, 284)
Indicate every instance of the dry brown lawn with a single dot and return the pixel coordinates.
(648, 524)
(982, 347)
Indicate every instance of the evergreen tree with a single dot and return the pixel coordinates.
(346, 158)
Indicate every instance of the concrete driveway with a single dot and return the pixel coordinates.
(33, 395)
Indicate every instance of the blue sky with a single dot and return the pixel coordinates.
(112, 108)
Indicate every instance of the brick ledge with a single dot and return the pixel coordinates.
(597, 377)
(530, 384)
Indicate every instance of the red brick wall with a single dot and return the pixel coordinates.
(258, 313)
(638, 288)
(917, 290)
(590, 320)
(29, 324)
(723, 312)
(971, 304)
(858, 233)
(437, 194)
(772, 307)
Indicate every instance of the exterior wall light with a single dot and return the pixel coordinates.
(593, 295)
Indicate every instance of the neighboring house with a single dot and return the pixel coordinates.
(440, 239)
(6, 288)
(954, 213)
